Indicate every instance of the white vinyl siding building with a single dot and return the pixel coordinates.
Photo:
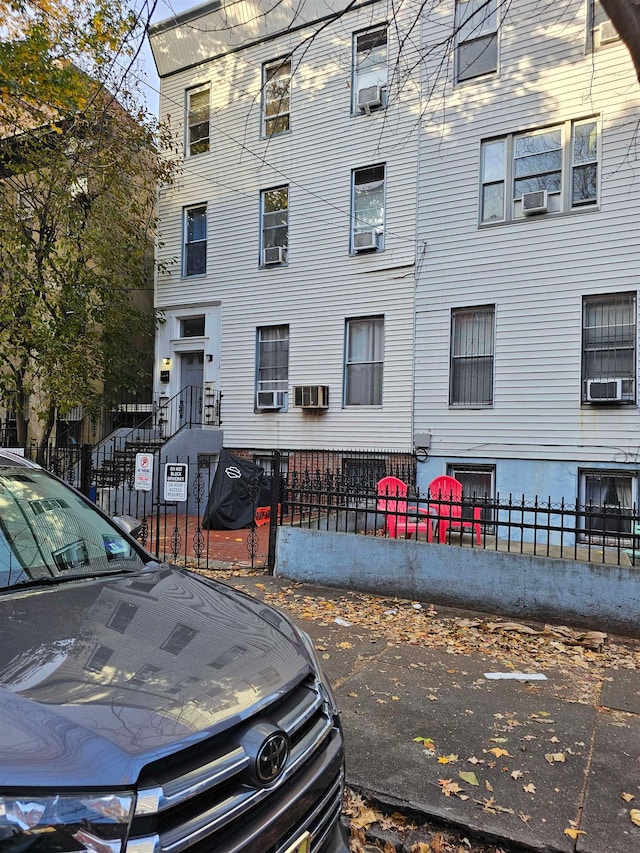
(557, 121)
(273, 260)
(449, 237)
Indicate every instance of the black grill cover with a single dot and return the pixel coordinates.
(239, 488)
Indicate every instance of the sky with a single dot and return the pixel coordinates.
(151, 84)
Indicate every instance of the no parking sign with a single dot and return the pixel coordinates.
(144, 472)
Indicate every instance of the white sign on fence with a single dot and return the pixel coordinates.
(175, 481)
(144, 472)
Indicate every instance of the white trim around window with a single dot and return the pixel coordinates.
(476, 39)
(472, 356)
(364, 361)
(544, 171)
(197, 123)
(368, 191)
(274, 226)
(370, 72)
(194, 250)
(609, 349)
(276, 97)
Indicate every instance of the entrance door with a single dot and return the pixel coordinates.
(191, 382)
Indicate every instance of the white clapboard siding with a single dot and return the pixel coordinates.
(535, 271)
(322, 285)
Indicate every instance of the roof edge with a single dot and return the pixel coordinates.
(185, 17)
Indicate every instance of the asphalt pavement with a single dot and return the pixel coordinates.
(457, 738)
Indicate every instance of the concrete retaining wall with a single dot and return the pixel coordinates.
(598, 597)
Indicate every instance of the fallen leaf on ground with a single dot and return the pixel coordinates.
(469, 777)
(634, 814)
(499, 752)
(529, 789)
(627, 797)
(574, 833)
(450, 787)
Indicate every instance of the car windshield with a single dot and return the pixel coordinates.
(48, 531)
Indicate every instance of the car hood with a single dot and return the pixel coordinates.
(98, 678)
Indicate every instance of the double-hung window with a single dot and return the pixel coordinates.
(472, 348)
(552, 170)
(609, 348)
(194, 259)
(364, 361)
(369, 70)
(476, 38)
(368, 201)
(272, 367)
(198, 116)
(274, 214)
(276, 95)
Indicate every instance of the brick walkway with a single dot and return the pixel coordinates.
(228, 546)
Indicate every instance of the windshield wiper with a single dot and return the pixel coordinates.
(52, 580)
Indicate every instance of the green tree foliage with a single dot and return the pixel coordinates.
(79, 168)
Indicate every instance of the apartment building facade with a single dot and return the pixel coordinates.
(409, 229)
(288, 240)
(527, 284)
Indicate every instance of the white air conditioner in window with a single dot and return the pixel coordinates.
(365, 241)
(608, 33)
(274, 255)
(369, 98)
(535, 202)
(271, 399)
(311, 396)
(604, 390)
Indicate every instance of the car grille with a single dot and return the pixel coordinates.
(203, 799)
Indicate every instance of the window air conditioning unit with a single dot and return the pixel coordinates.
(604, 390)
(535, 202)
(271, 399)
(369, 98)
(608, 33)
(311, 396)
(274, 255)
(365, 241)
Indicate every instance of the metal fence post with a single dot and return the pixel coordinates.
(85, 469)
(274, 520)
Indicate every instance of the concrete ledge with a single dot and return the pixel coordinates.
(584, 594)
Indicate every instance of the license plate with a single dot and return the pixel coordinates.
(300, 845)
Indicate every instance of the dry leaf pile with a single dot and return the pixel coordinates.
(373, 830)
(516, 644)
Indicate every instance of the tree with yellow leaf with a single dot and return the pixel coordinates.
(79, 167)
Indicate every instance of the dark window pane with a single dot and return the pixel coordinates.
(552, 183)
(585, 184)
(364, 385)
(196, 258)
(477, 57)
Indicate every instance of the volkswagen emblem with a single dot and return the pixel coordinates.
(272, 757)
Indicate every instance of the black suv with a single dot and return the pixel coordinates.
(145, 708)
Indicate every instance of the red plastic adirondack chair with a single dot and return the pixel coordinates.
(445, 499)
(401, 517)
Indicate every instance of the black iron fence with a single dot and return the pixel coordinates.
(607, 534)
(338, 491)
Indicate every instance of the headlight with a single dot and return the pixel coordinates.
(324, 681)
(82, 822)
